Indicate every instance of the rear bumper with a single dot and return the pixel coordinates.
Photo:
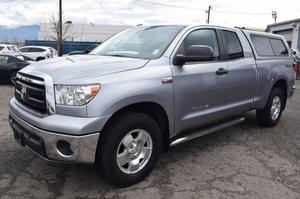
(293, 91)
(53, 146)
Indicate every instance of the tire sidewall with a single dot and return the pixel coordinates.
(109, 151)
(275, 92)
(13, 74)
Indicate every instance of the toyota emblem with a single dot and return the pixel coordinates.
(23, 92)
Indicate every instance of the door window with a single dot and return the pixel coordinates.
(233, 45)
(205, 37)
(37, 50)
(24, 50)
(3, 60)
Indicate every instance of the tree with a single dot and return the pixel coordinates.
(66, 33)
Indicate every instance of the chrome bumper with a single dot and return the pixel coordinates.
(53, 146)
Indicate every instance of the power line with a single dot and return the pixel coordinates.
(190, 8)
(242, 13)
(169, 5)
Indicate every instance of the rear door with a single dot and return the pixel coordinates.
(4, 68)
(242, 76)
(199, 91)
(25, 51)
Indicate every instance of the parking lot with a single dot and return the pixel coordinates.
(244, 161)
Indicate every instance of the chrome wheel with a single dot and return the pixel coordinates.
(134, 151)
(275, 108)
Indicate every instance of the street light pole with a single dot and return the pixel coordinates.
(60, 39)
(274, 15)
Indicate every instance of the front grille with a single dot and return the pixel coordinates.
(30, 91)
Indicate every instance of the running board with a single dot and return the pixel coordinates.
(192, 136)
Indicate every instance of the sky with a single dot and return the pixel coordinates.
(251, 13)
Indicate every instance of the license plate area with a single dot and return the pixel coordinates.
(27, 138)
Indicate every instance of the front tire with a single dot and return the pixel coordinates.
(129, 148)
(40, 59)
(271, 114)
(13, 78)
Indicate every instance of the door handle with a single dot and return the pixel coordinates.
(221, 71)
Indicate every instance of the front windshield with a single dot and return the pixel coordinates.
(141, 42)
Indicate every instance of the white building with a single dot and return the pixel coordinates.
(79, 32)
(290, 30)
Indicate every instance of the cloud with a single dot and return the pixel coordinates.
(255, 13)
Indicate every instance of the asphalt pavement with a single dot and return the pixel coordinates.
(243, 161)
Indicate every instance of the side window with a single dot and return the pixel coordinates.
(3, 60)
(233, 45)
(36, 50)
(24, 50)
(12, 60)
(206, 37)
(262, 45)
(1, 48)
(278, 47)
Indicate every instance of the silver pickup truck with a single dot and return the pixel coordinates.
(146, 89)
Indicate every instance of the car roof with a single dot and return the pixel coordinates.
(43, 47)
(5, 45)
(265, 34)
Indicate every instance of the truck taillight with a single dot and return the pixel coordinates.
(294, 66)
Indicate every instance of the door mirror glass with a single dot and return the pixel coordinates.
(195, 53)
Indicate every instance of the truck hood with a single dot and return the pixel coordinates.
(74, 68)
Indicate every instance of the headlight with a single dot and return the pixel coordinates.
(75, 95)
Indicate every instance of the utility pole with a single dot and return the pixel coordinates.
(208, 14)
(60, 39)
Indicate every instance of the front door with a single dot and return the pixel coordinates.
(199, 90)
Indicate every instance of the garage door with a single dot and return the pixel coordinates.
(288, 34)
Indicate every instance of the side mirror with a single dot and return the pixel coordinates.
(194, 53)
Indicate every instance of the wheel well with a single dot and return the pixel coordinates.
(155, 111)
(40, 58)
(281, 84)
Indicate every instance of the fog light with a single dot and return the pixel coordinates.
(64, 148)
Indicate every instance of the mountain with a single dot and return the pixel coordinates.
(19, 34)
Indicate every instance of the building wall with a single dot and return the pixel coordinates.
(290, 30)
(80, 32)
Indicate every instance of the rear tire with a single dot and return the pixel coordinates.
(271, 114)
(129, 148)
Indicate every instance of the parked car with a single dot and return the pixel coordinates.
(9, 49)
(38, 53)
(86, 51)
(25, 58)
(9, 66)
(147, 89)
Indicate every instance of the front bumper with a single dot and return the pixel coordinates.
(54, 146)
